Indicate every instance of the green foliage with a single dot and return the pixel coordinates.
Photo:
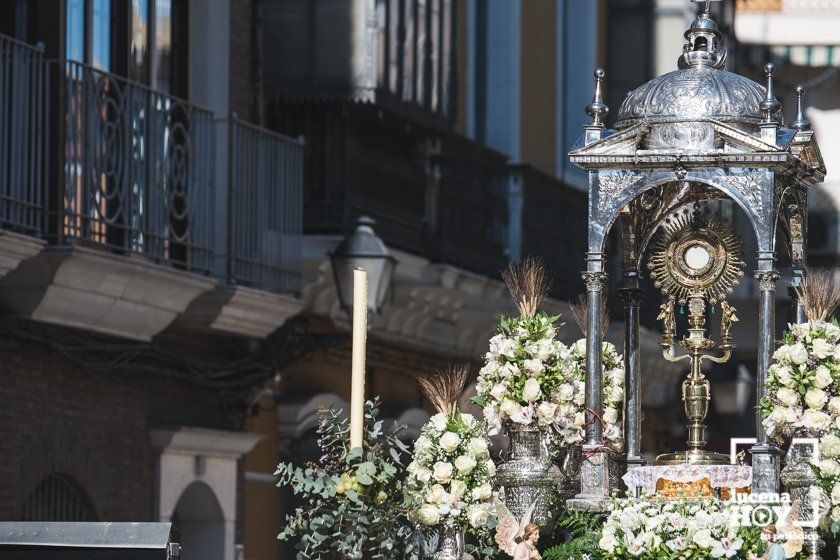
(352, 499)
(578, 533)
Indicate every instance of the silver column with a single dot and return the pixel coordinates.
(798, 307)
(766, 456)
(632, 298)
(595, 465)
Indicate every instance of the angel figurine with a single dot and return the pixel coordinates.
(518, 539)
(666, 315)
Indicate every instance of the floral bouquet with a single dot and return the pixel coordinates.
(346, 485)
(526, 365)
(571, 412)
(803, 383)
(650, 529)
(450, 478)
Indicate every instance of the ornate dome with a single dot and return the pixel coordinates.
(691, 94)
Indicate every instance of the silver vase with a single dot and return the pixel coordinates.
(451, 542)
(798, 477)
(528, 474)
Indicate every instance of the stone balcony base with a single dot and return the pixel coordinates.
(241, 311)
(91, 289)
(16, 248)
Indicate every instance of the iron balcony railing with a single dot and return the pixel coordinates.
(22, 145)
(265, 208)
(135, 169)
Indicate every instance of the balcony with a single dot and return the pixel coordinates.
(22, 151)
(264, 234)
(145, 201)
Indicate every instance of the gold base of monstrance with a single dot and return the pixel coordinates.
(696, 261)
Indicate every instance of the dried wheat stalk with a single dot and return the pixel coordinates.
(819, 294)
(580, 313)
(528, 284)
(443, 387)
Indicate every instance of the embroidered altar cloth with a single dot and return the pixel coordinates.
(720, 476)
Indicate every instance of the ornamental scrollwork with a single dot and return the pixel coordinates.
(750, 187)
(611, 184)
(767, 280)
(594, 281)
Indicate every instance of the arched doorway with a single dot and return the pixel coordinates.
(58, 498)
(199, 524)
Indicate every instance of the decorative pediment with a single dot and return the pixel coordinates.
(805, 148)
(614, 143)
(741, 141)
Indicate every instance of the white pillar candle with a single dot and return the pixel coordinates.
(357, 394)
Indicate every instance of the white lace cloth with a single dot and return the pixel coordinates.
(720, 476)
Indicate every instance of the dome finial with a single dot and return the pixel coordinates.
(597, 109)
(801, 123)
(704, 45)
(770, 106)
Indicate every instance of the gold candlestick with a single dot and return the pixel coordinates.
(696, 390)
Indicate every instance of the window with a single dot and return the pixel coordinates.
(416, 51)
(58, 498)
(143, 40)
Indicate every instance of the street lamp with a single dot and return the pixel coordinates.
(365, 250)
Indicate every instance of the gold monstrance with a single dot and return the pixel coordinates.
(696, 261)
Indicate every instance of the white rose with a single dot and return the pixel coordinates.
(439, 421)
(580, 419)
(832, 332)
(703, 538)
(546, 411)
(788, 397)
(815, 420)
(490, 466)
(509, 407)
(437, 495)
(815, 398)
(478, 515)
(566, 392)
(428, 515)
(830, 446)
(465, 464)
(534, 366)
(478, 447)
(449, 441)
(608, 542)
(782, 353)
(612, 432)
(822, 377)
(423, 475)
(610, 415)
(820, 348)
(615, 394)
(498, 391)
(784, 377)
(835, 494)
(531, 391)
(798, 353)
(468, 419)
(829, 467)
(442, 472)
(423, 445)
(458, 488)
(483, 492)
(579, 347)
(834, 405)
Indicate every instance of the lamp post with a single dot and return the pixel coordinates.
(364, 250)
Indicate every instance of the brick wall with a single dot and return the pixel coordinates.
(92, 427)
(243, 89)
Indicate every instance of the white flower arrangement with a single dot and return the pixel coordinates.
(650, 529)
(451, 475)
(803, 382)
(571, 412)
(524, 372)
